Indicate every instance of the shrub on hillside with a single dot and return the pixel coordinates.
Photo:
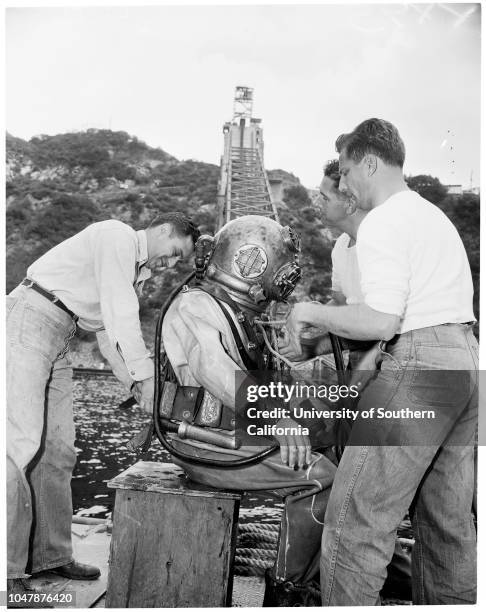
(316, 249)
(64, 216)
(17, 215)
(428, 187)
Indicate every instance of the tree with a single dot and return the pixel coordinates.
(315, 256)
(428, 187)
(296, 196)
(464, 212)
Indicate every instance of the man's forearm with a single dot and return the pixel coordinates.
(114, 359)
(354, 321)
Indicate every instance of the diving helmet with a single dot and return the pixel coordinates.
(255, 259)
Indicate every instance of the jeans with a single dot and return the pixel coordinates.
(40, 434)
(376, 485)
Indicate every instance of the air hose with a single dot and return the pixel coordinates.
(158, 383)
(337, 350)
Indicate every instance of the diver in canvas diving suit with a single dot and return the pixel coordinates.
(253, 261)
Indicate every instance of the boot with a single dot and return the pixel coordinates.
(21, 595)
(284, 593)
(77, 571)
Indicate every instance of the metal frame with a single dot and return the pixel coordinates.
(243, 103)
(244, 188)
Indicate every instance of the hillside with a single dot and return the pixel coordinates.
(57, 185)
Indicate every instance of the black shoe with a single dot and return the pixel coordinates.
(397, 589)
(284, 593)
(76, 571)
(398, 583)
(20, 594)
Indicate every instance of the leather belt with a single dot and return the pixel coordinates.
(384, 344)
(27, 282)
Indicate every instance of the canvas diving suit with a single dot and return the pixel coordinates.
(202, 350)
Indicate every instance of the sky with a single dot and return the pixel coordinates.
(167, 75)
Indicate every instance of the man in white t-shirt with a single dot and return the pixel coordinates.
(341, 211)
(417, 289)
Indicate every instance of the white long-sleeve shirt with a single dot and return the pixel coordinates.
(98, 274)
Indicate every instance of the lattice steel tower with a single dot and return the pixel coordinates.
(243, 185)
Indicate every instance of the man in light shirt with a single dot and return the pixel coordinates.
(341, 211)
(417, 289)
(93, 280)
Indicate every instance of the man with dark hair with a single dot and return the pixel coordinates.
(417, 289)
(342, 212)
(375, 136)
(338, 210)
(93, 280)
(178, 223)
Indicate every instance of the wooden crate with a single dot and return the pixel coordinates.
(173, 541)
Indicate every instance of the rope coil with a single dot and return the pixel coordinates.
(257, 548)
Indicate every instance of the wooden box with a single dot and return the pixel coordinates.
(173, 541)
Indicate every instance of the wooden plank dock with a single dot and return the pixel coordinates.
(91, 544)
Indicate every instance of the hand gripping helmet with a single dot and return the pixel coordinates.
(255, 259)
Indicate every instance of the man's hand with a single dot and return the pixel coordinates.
(143, 392)
(295, 450)
(299, 319)
(323, 346)
(290, 349)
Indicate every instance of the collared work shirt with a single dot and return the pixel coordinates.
(97, 274)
